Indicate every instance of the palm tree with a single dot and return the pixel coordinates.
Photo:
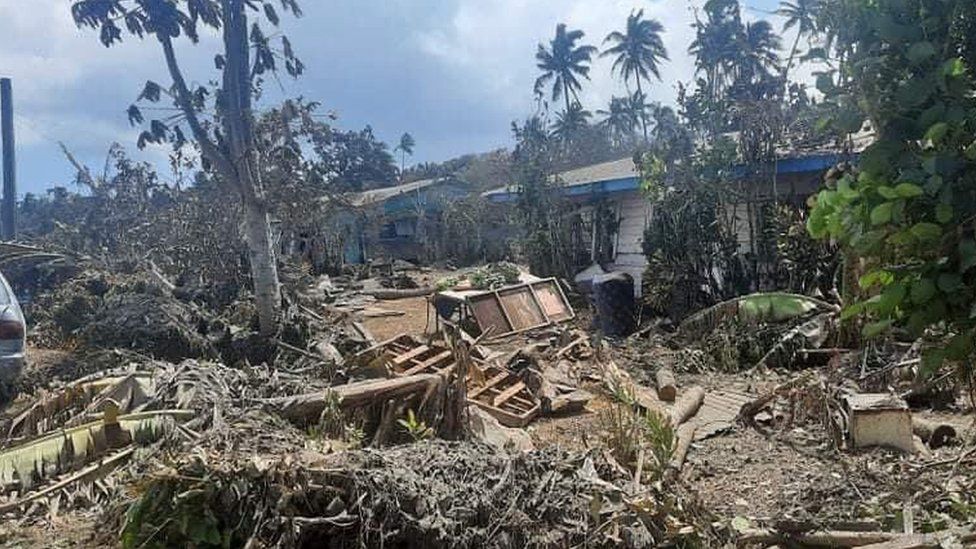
(619, 119)
(562, 63)
(638, 52)
(802, 15)
(405, 147)
(570, 123)
(715, 45)
(760, 50)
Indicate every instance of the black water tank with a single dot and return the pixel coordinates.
(613, 295)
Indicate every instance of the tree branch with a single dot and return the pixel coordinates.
(185, 103)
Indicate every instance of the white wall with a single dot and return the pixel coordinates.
(635, 213)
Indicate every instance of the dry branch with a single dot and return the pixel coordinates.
(307, 408)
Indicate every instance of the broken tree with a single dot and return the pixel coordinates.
(228, 148)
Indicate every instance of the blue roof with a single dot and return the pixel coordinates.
(609, 185)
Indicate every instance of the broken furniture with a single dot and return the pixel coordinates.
(504, 311)
(496, 390)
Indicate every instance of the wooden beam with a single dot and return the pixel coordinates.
(508, 393)
(417, 351)
(428, 363)
(491, 383)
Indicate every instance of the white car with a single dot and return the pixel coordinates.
(12, 334)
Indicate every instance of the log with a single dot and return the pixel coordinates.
(308, 407)
(935, 434)
(400, 294)
(684, 436)
(823, 538)
(687, 406)
(666, 385)
(912, 541)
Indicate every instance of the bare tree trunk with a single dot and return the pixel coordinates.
(240, 135)
(642, 113)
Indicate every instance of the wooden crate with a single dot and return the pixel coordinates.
(502, 394)
(495, 389)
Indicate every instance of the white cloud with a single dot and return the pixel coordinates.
(494, 44)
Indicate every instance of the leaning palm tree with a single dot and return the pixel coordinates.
(801, 14)
(637, 52)
(570, 123)
(405, 147)
(562, 63)
(619, 119)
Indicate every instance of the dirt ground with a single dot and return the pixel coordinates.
(413, 321)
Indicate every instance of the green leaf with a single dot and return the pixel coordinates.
(881, 213)
(967, 255)
(949, 282)
(908, 190)
(954, 67)
(932, 360)
(926, 232)
(937, 132)
(875, 329)
(740, 524)
(914, 92)
(960, 346)
(943, 213)
(922, 291)
(970, 151)
(887, 192)
(852, 310)
(921, 52)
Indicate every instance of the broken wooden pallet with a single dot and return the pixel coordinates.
(495, 389)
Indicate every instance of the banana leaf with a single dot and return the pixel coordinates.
(752, 309)
(68, 449)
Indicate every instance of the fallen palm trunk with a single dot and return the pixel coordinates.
(864, 540)
(620, 384)
(820, 539)
(666, 384)
(685, 435)
(400, 294)
(933, 433)
(687, 406)
(307, 408)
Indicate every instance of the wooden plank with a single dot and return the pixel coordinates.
(501, 306)
(522, 308)
(538, 302)
(428, 363)
(552, 300)
(487, 311)
(413, 353)
(491, 383)
(508, 393)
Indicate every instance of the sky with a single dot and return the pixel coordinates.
(453, 73)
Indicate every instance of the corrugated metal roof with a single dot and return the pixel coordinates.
(376, 196)
(623, 168)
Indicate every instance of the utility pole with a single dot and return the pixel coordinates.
(8, 210)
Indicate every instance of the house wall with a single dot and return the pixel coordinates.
(635, 213)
